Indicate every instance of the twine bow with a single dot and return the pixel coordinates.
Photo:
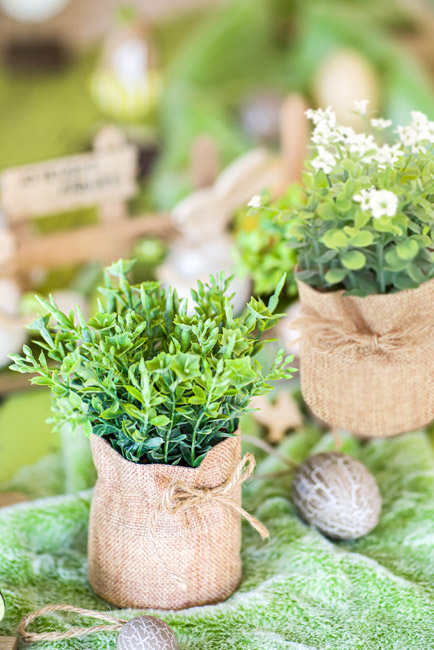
(328, 336)
(179, 497)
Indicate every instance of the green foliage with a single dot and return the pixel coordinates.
(262, 243)
(367, 222)
(163, 386)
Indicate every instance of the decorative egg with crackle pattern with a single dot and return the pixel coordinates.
(147, 633)
(336, 494)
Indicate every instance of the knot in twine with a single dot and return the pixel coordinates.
(179, 497)
(328, 336)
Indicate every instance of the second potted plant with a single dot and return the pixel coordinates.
(365, 239)
(160, 393)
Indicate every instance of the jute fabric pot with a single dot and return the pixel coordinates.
(367, 364)
(147, 550)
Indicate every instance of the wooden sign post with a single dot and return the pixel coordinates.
(105, 177)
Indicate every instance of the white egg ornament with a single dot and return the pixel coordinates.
(147, 633)
(336, 494)
(2, 606)
(343, 78)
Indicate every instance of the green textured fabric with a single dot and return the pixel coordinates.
(299, 591)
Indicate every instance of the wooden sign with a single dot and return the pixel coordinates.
(69, 183)
(104, 178)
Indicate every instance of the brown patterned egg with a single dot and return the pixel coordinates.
(336, 494)
(147, 633)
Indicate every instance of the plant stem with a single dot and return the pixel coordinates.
(380, 278)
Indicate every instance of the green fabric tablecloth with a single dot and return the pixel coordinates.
(300, 591)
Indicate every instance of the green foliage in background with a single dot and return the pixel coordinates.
(367, 225)
(162, 385)
(262, 236)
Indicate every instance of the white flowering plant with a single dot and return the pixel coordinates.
(367, 222)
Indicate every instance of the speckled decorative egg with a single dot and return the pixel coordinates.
(2, 606)
(336, 494)
(147, 633)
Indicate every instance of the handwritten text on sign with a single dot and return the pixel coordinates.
(68, 183)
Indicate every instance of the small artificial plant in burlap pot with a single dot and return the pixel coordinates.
(364, 241)
(160, 393)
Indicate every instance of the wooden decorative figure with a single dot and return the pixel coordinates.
(277, 417)
(202, 218)
(104, 177)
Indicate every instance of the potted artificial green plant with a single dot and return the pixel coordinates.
(160, 393)
(365, 274)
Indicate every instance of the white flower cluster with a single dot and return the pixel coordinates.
(382, 203)
(418, 134)
(335, 142)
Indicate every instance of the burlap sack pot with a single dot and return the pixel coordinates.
(142, 554)
(367, 364)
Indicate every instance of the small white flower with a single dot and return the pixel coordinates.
(382, 203)
(363, 145)
(363, 198)
(255, 201)
(362, 106)
(380, 124)
(387, 155)
(321, 116)
(418, 119)
(324, 160)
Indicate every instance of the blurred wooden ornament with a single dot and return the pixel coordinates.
(278, 416)
(12, 331)
(336, 494)
(147, 633)
(343, 78)
(260, 117)
(10, 499)
(202, 218)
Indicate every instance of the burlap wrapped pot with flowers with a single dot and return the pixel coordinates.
(367, 363)
(363, 232)
(162, 536)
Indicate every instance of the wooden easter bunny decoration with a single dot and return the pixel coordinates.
(202, 218)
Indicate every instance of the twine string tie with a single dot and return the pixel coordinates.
(179, 497)
(328, 336)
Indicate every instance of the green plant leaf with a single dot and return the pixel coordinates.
(353, 260)
(394, 262)
(408, 249)
(362, 238)
(335, 276)
(335, 239)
